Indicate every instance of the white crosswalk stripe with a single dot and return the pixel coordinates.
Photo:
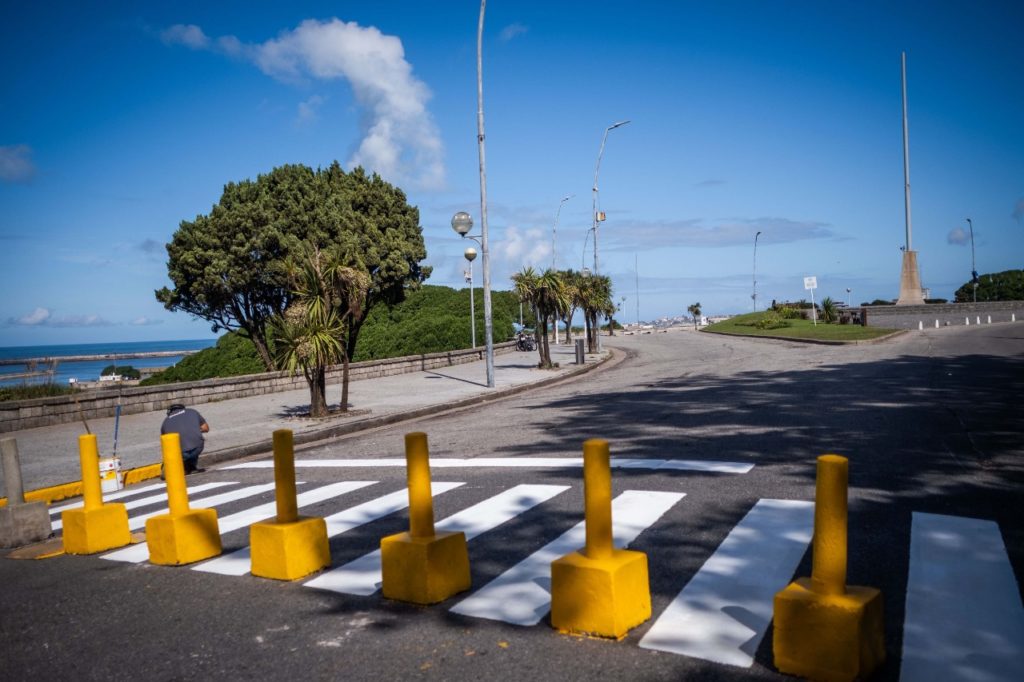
(57, 523)
(724, 611)
(363, 576)
(522, 595)
(110, 497)
(140, 552)
(964, 619)
(239, 561)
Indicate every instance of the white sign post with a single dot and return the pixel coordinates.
(811, 283)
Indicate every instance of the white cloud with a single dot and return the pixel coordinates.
(43, 317)
(145, 322)
(513, 30)
(188, 35)
(16, 163)
(309, 110)
(521, 248)
(400, 139)
(958, 236)
(36, 317)
(618, 235)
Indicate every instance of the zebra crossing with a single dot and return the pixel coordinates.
(720, 615)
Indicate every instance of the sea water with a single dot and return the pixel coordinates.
(90, 370)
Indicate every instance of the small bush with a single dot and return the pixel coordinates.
(788, 313)
(29, 391)
(771, 320)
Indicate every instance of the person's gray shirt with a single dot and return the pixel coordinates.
(188, 424)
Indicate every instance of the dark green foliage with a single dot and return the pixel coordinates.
(996, 286)
(829, 311)
(30, 391)
(935, 300)
(879, 301)
(126, 371)
(789, 313)
(434, 319)
(234, 355)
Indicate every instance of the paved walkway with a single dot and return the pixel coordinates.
(243, 426)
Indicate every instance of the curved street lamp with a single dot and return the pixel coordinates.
(974, 270)
(754, 295)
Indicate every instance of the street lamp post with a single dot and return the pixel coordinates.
(470, 255)
(599, 216)
(848, 299)
(754, 294)
(554, 252)
(462, 223)
(974, 270)
(488, 328)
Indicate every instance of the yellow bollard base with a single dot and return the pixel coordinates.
(828, 637)
(605, 597)
(88, 531)
(183, 538)
(288, 551)
(424, 570)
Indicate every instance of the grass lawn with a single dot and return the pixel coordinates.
(798, 329)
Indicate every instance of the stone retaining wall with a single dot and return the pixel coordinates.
(26, 414)
(948, 314)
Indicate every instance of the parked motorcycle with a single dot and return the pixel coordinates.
(525, 342)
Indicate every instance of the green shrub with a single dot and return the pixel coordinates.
(233, 355)
(788, 313)
(30, 391)
(126, 371)
(771, 320)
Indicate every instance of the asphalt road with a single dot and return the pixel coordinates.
(930, 423)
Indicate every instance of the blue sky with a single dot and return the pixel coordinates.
(119, 120)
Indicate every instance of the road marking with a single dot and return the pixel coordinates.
(723, 612)
(516, 462)
(239, 562)
(58, 523)
(140, 552)
(363, 576)
(964, 619)
(522, 594)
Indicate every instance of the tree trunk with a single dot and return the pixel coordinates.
(545, 348)
(316, 377)
(260, 343)
(344, 383)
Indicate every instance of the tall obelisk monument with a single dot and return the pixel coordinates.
(910, 276)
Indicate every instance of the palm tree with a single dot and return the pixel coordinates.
(595, 299)
(546, 294)
(694, 310)
(829, 312)
(311, 333)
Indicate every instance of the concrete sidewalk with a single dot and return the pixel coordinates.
(243, 426)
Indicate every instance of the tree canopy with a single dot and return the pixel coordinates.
(997, 286)
(229, 267)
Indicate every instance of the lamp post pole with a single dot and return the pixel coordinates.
(488, 330)
(754, 294)
(554, 252)
(597, 216)
(974, 270)
(470, 255)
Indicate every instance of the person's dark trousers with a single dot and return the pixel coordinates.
(190, 458)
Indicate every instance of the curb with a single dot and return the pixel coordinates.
(818, 342)
(63, 491)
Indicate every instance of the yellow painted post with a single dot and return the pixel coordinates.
(599, 590)
(291, 546)
(94, 527)
(597, 490)
(174, 474)
(421, 504)
(89, 456)
(423, 566)
(828, 570)
(184, 535)
(284, 477)
(825, 629)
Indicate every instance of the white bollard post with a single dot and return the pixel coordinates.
(920, 326)
(977, 320)
(936, 324)
(990, 319)
(1013, 317)
(967, 321)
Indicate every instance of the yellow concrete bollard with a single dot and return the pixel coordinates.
(602, 590)
(291, 546)
(184, 535)
(423, 566)
(825, 629)
(96, 526)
